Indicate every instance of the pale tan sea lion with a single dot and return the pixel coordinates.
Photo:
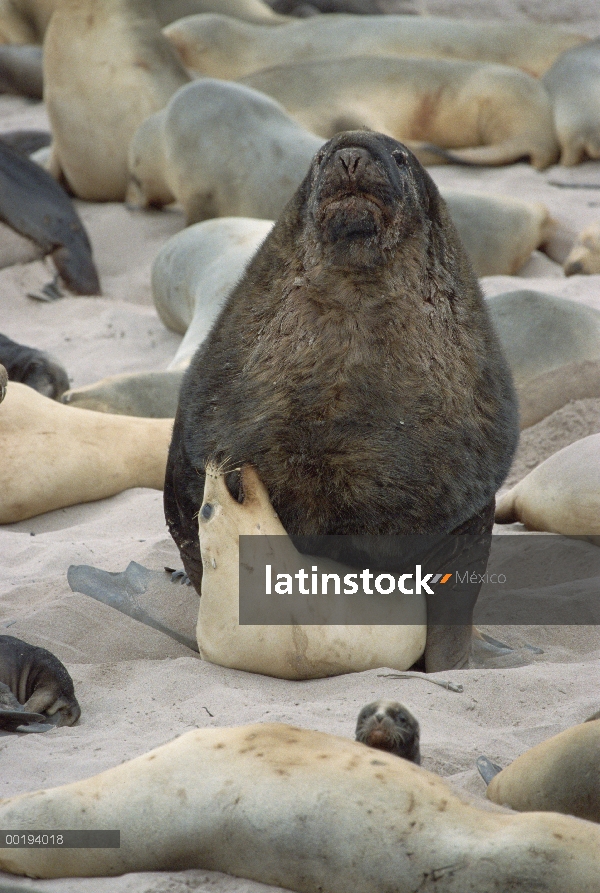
(288, 652)
(256, 11)
(584, 256)
(553, 348)
(248, 155)
(96, 105)
(562, 495)
(558, 775)
(484, 114)
(26, 21)
(499, 232)
(573, 83)
(302, 810)
(54, 456)
(224, 48)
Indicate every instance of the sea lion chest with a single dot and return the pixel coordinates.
(338, 397)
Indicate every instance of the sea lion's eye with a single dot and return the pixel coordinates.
(400, 157)
(206, 511)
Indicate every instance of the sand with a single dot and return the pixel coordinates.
(139, 688)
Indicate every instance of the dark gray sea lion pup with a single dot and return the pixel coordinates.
(33, 204)
(33, 367)
(356, 368)
(39, 681)
(389, 726)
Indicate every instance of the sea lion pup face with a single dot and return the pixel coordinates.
(389, 726)
(367, 195)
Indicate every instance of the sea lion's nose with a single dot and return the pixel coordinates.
(352, 160)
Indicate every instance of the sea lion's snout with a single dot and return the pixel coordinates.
(352, 162)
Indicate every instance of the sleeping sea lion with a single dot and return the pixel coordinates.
(562, 495)
(221, 47)
(326, 647)
(356, 368)
(301, 810)
(54, 456)
(558, 775)
(39, 681)
(484, 114)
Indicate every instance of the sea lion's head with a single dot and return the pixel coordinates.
(365, 195)
(389, 726)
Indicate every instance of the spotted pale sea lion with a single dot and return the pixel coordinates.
(406, 426)
(389, 726)
(221, 47)
(301, 810)
(482, 113)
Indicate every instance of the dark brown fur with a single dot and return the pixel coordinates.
(38, 680)
(354, 365)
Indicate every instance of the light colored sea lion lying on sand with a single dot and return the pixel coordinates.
(287, 652)
(225, 48)
(562, 495)
(485, 114)
(107, 67)
(553, 348)
(584, 256)
(54, 456)
(558, 775)
(573, 83)
(302, 810)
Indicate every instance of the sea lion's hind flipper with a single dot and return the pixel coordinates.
(487, 769)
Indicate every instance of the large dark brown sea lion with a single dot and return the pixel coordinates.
(356, 368)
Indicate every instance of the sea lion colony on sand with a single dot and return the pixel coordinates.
(522, 852)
